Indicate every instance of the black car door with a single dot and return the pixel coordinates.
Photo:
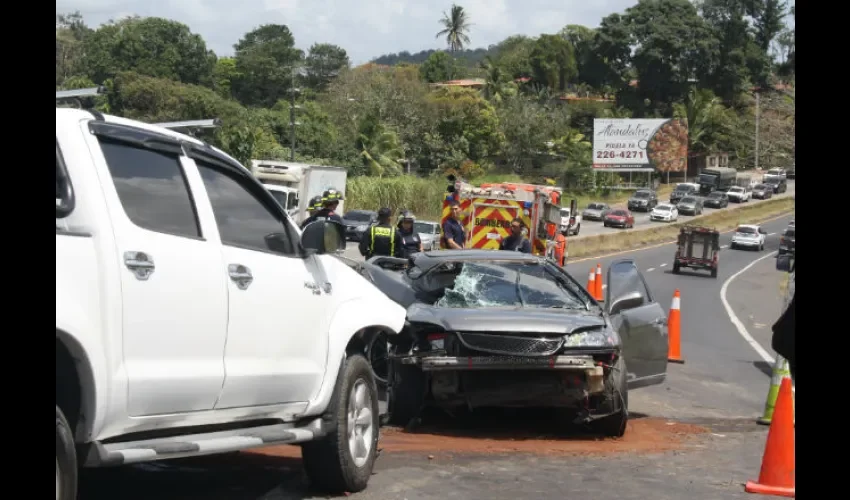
(640, 322)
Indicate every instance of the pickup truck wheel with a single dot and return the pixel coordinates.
(617, 395)
(66, 460)
(343, 460)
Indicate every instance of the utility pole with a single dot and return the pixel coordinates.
(757, 129)
(292, 107)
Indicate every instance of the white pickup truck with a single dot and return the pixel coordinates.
(193, 317)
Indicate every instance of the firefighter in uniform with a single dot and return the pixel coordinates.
(330, 201)
(382, 238)
(410, 240)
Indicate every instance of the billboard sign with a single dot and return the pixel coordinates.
(659, 144)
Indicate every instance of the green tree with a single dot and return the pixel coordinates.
(266, 64)
(463, 115)
(710, 123)
(439, 67)
(324, 61)
(224, 73)
(380, 148)
(150, 46)
(455, 28)
(71, 32)
(513, 55)
(553, 62)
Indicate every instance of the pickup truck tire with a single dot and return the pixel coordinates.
(66, 460)
(330, 464)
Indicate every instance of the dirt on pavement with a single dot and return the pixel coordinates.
(643, 435)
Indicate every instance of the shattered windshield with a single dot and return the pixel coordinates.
(509, 284)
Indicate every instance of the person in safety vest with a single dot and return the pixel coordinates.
(382, 238)
(516, 241)
(561, 247)
(330, 201)
(410, 240)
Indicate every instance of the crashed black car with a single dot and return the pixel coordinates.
(506, 329)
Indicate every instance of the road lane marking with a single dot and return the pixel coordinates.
(724, 246)
(662, 265)
(742, 330)
(659, 245)
(650, 269)
(770, 234)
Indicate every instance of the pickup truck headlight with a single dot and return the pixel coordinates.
(592, 339)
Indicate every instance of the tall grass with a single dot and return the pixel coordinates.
(424, 195)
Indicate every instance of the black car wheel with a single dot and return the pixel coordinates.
(616, 402)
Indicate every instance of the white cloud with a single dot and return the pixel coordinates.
(365, 28)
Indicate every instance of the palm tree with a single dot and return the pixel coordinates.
(455, 26)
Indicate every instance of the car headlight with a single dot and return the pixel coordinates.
(592, 339)
(362, 227)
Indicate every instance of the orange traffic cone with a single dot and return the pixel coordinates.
(777, 465)
(598, 283)
(591, 283)
(674, 332)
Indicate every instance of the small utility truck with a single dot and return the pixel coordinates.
(698, 248)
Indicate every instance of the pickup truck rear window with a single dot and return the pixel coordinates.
(152, 188)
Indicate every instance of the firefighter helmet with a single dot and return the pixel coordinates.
(332, 195)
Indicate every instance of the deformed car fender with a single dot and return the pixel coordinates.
(351, 318)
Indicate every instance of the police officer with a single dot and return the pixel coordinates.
(382, 238)
(330, 201)
(410, 240)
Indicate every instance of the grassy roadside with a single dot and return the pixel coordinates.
(637, 238)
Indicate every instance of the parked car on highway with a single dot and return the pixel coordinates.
(664, 212)
(619, 218)
(778, 172)
(643, 200)
(682, 190)
(690, 205)
(193, 317)
(429, 233)
(357, 222)
(739, 194)
(595, 211)
(697, 247)
(716, 199)
(788, 240)
(505, 329)
(762, 192)
(748, 236)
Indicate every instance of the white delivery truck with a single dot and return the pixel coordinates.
(308, 181)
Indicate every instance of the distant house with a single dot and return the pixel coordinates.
(470, 83)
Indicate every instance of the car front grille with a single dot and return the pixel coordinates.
(512, 345)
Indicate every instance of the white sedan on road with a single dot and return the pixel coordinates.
(749, 236)
(664, 212)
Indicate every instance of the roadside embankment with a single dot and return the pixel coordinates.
(722, 220)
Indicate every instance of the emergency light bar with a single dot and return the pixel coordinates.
(76, 93)
(213, 123)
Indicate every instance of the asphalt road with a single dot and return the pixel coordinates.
(722, 386)
(591, 228)
(723, 375)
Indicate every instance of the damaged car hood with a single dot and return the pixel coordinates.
(514, 319)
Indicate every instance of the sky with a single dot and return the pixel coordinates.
(366, 29)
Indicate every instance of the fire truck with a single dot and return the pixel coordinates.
(487, 211)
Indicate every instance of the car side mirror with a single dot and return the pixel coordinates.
(626, 301)
(322, 236)
(784, 263)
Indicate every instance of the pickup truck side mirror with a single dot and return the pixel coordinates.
(322, 236)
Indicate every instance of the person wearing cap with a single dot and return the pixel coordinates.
(382, 238)
(516, 241)
(330, 201)
(410, 240)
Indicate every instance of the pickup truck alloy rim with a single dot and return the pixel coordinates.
(360, 426)
(58, 481)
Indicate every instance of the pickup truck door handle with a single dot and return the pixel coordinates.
(140, 263)
(240, 275)
(659, 321)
